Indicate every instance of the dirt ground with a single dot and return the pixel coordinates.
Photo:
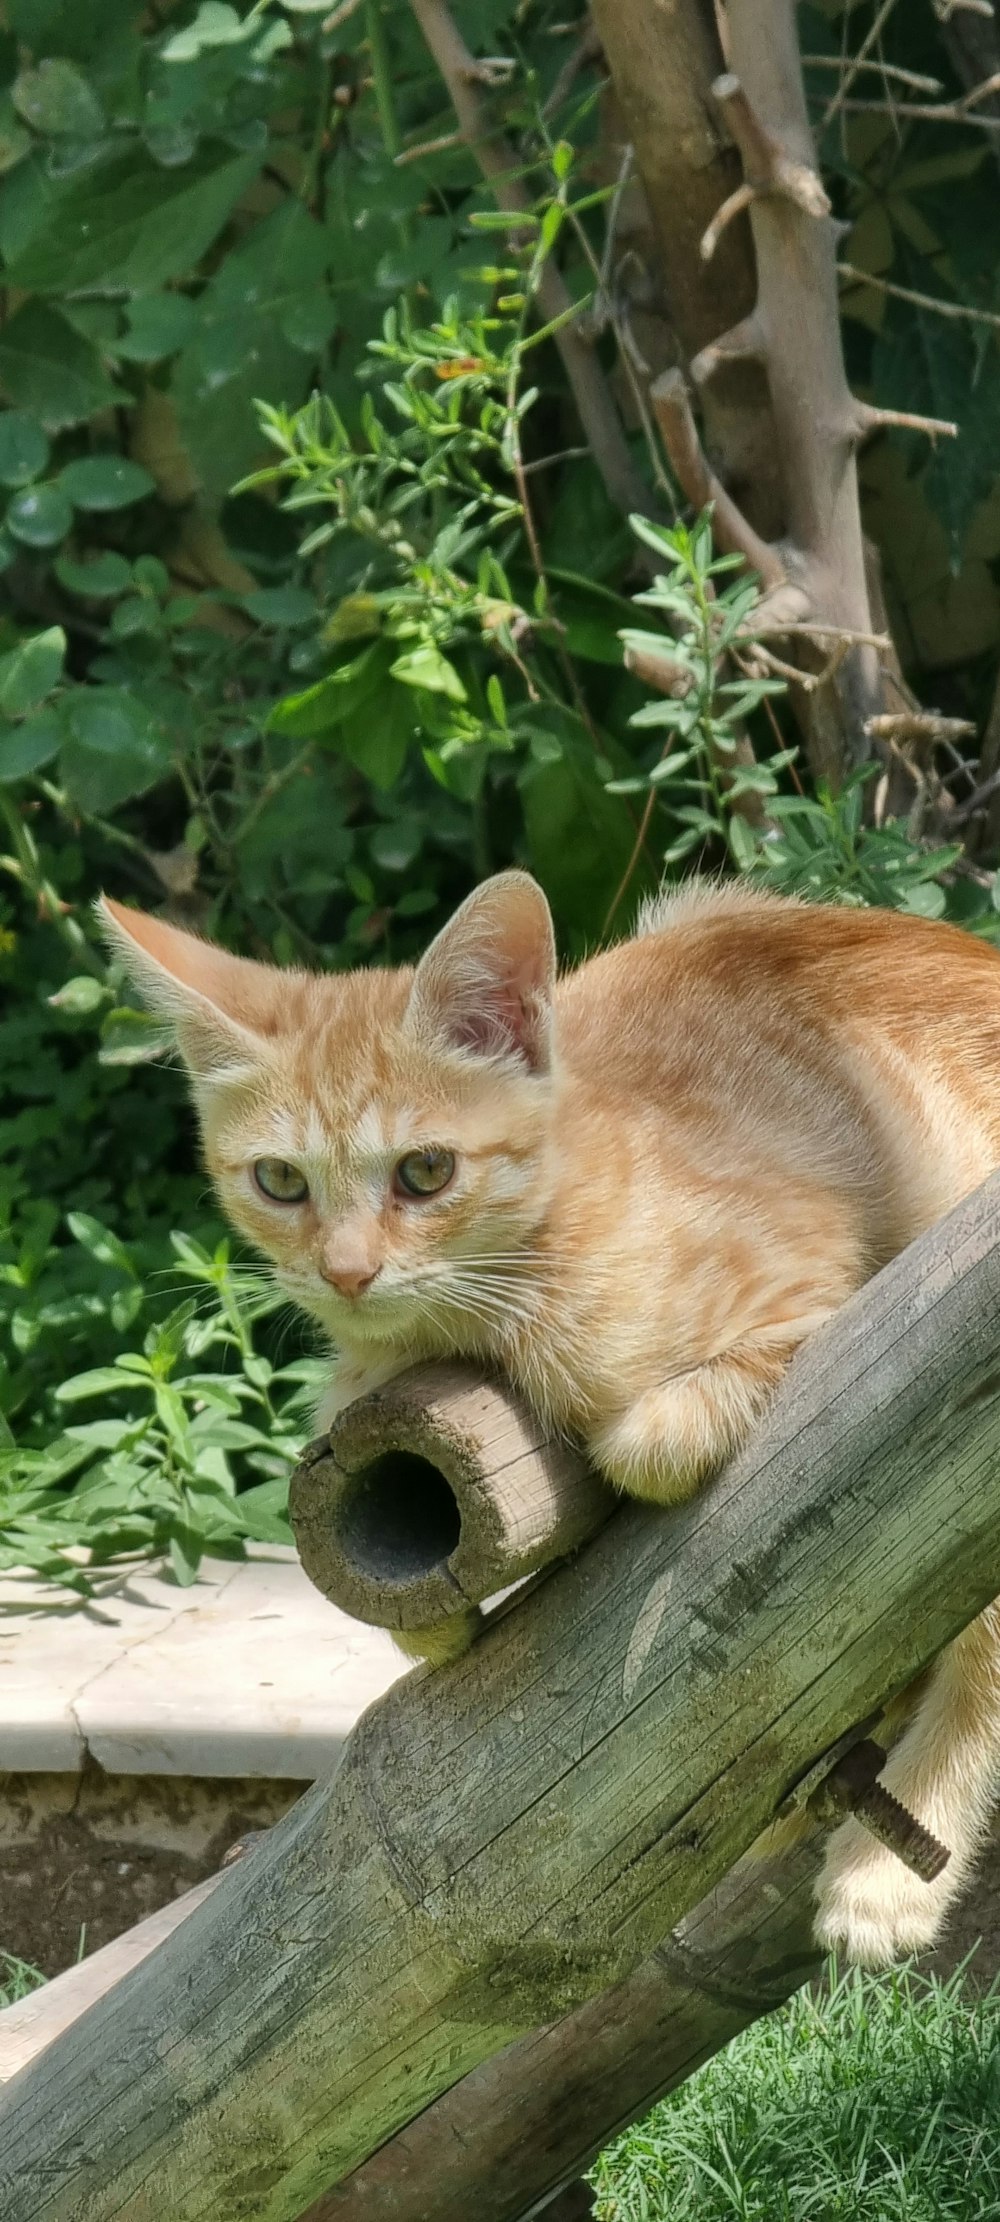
(97, 1853)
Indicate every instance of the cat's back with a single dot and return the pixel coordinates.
(732, 956)
(765, 1017)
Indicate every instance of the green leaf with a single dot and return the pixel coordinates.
(126, 222)
(281, 605)
(79, 996)
(48, 367)
(15, 141)
(580, 840)
(263, 1512)
(24, 449)
(378, 744)
(56, 99)
(104, 576)
(239, 352)
(97, 1381)
(938, 366)
(30, 671)
(427, 667)
(186, 1549)
(308, 321)
(116, 748)
(105, 482)
(133, 1038)
(159, 324)
(215, 24)
(40, 516)
(101, 1243)
(925, 900)
(27, 747)
(318, 709)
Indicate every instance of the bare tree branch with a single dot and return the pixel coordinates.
(664, 56)
(910, 77)
(869, 420)
(919, 725)
(857, 61)
(919, 300)
(963, 110)
(769, 168)
(694, 474)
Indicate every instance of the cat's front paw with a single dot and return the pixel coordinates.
(630, 1452)
(871, 1908)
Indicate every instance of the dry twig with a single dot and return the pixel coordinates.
(857, 62)
(441, 145)
(961, 110)
(910, 77)
(900, 726)
(337, 16)
(694, 474)
(918, 300)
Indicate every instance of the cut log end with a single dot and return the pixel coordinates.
(435, 1493)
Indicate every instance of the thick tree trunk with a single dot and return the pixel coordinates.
(664, 56)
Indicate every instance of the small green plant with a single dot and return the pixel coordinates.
(731, 797)
(184, 1419)
(17, 1979)
(705, 764)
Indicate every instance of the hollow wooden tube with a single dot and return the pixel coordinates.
(436, 1492)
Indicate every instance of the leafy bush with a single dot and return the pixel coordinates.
(187, 1416)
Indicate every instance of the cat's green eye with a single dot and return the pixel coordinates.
(281, 1183)
(424, 1172)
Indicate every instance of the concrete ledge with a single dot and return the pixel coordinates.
(247, 1673)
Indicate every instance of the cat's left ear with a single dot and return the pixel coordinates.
(486, 983)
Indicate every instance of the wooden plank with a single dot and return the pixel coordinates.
(504, 1838)
(504, 2139)
(38, 2019)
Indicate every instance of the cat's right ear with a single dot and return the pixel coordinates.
(211, 1000)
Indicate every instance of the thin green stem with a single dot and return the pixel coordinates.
(26, 866)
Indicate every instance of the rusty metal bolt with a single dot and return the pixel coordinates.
(852, 1786)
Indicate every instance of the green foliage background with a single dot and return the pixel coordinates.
(312, 615)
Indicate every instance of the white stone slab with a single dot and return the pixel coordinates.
(247, 1672)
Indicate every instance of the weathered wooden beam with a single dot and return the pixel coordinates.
(520, 2127)
(504, 1838)
(501, 2143)
(434, 1493)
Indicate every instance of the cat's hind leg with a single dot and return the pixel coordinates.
(945, 1770)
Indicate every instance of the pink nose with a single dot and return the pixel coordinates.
(349, 1280)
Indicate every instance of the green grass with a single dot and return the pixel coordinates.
(876, 2101)
(17, 1978)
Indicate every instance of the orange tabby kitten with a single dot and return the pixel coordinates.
(638, 1189)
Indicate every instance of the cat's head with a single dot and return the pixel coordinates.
(386, 1138)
